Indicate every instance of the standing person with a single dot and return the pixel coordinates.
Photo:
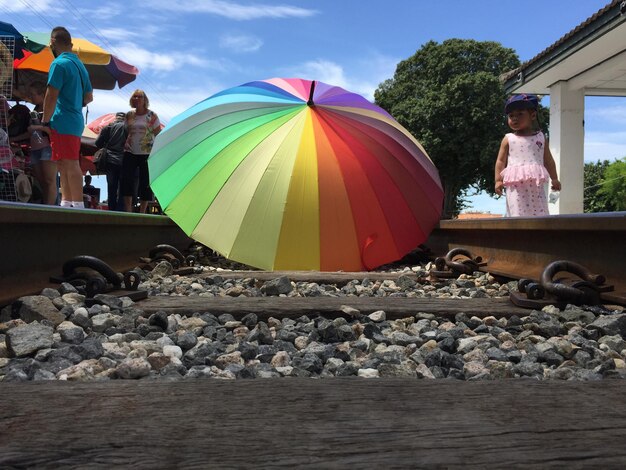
(524, 161)
(44, 169)
(69, 89)
(143, 126)
(113, 137)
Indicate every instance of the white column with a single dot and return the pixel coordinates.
(567, 142)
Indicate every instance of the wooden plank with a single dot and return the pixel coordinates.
(304, 423)
(321, 277)
(293, 307)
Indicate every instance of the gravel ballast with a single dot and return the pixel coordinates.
(56, 336)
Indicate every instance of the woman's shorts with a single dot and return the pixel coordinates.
(64, 146)
(40, 155)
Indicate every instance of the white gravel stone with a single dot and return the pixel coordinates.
(227, 359)
(103, 321)
(368, 373)
(423, 372)
(172, 351)
(84, 370)
(280, 359)
(191, 323)
(474, 368)
(378, 316)
(466, 345)
(133, 368)
(301, 342)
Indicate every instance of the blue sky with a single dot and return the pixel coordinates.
(187, 50)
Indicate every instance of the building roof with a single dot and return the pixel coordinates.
(593, 55)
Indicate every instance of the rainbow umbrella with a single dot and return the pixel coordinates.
(296, 174)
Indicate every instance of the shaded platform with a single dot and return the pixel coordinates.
(305, 423)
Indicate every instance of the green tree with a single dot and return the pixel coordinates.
(450, 97)
(614, 185)
(593, 174)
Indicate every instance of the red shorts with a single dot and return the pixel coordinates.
(64, 146)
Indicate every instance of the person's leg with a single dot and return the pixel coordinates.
(66, 200)
(75, 180)
(112, 183)
(38, 174)
(145, 195)
(47, 174)
(49, 181)
(117, 176)
(127, 180)
(66, 151)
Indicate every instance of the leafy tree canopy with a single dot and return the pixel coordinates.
(450, 98)
(593, 174)
(614, 185)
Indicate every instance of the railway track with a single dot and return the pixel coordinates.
(37, 240)
(339, 421)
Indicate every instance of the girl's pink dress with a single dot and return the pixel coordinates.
(525, 176)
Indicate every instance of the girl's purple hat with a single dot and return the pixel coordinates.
(522, 101)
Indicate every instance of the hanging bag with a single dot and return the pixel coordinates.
(100, 160)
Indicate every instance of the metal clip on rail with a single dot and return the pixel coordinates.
(560, 292)
(92, 276)
(458, 261)
(182, 265)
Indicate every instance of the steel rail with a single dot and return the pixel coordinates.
(523, 247)
(37, 240)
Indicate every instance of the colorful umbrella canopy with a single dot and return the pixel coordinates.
(87, 150)
(102, 121)
(296, 174)
(14, 40)
(105, 70)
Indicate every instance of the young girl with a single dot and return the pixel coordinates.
(524, 161)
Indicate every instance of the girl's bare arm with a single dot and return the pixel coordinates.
(549, 163)
(503, 155)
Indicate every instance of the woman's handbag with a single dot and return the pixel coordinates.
(100, 160)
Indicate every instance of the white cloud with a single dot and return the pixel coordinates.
(604, 145)
(159, 61)
(240, 43)
(234, 11)
(612, 114)
(18, 6)
(364, 76)
(166, 102)
(108, 11)
(322, 70)
(119, 34)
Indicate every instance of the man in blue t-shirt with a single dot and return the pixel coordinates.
(68, 90)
